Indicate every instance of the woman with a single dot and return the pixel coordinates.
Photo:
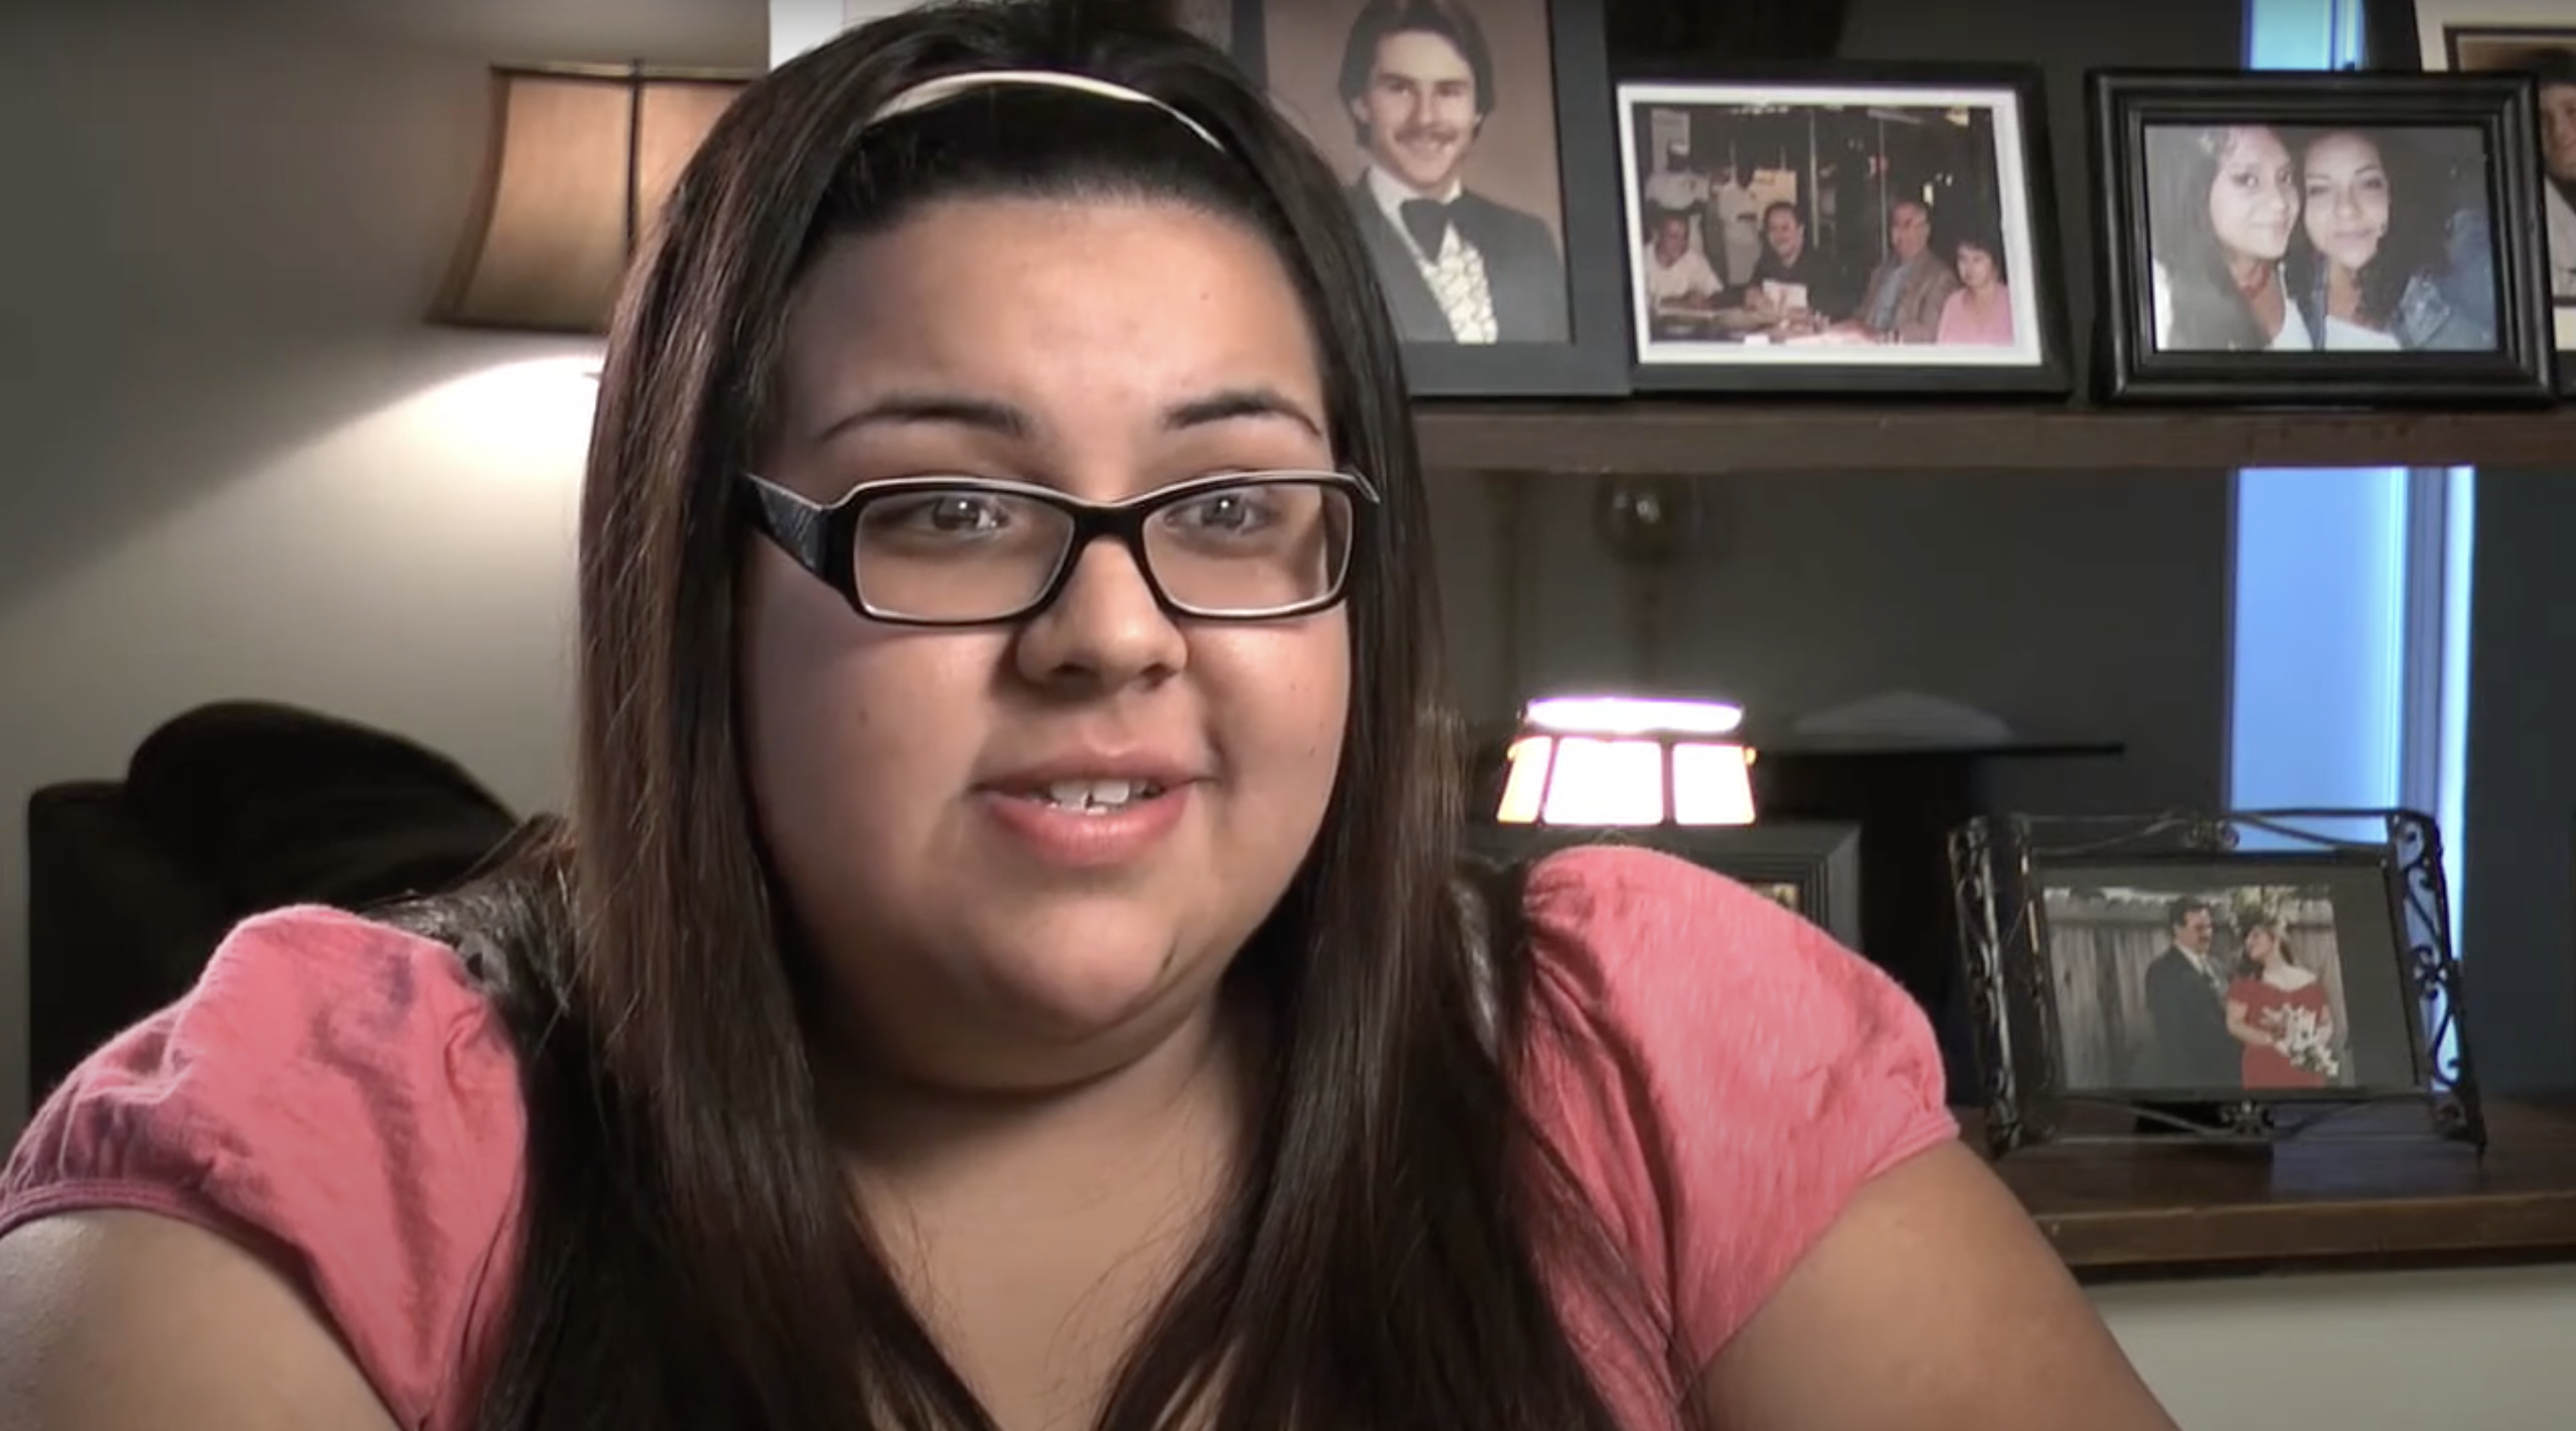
(2279, 1012)
(2371, 272)
(1979, 312)
(2221, 206)
(1005, 966)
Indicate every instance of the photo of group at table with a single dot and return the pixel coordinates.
(2320, 238)
(1833, 225)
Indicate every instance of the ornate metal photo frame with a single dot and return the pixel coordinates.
(2250, 978)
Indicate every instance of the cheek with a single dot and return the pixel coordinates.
(1286, 698)
(838, 742)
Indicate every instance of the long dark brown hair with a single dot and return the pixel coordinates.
(690, 1255)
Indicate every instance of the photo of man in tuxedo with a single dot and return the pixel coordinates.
(2549, 54)
(2187, 998)
(1417, 84)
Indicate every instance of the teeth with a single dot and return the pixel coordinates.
(1097, 794)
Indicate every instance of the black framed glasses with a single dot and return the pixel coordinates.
(968, 551)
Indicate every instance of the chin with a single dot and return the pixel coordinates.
(1082, 978)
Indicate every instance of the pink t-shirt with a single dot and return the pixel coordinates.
(335, 1093)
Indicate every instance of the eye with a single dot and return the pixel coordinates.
(1227, 511)
(939, 514)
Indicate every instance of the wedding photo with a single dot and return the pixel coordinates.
(2191, 984)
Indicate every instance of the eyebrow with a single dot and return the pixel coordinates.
(1003, 419)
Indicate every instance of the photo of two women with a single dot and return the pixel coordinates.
(2320, 239)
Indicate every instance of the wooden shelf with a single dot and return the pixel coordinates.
(1710, 436)
(2119, 1212)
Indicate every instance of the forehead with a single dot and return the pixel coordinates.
(2254, 146)
(1421, 55)
(2343, 149)
(1912, 213)
(1069, 309)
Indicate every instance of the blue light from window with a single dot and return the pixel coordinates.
(2352, 597)
(2316, 714)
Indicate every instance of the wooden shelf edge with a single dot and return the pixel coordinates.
(2319, 1237)
(2132, 1212)
(1655, 438)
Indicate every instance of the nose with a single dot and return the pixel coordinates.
(1104, 632)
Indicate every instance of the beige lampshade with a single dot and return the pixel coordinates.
(582, 158)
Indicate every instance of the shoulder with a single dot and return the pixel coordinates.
(1497, 217)
(1718, 1072)
(335, 1094)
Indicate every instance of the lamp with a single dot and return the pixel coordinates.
(582, 158)
(1624, 760)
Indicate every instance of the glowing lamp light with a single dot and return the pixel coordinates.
(1625, 760)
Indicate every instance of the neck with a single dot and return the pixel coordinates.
(2249, 272)
(1445, 189)
(909, 1142)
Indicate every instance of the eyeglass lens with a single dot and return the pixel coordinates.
(970, 554)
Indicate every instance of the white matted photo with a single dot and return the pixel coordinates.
(1787, 225)
(2536, 37)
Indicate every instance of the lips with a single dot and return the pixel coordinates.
(1062, 835)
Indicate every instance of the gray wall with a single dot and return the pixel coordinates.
(239, 463)
(2518, 916)
(2088, 606)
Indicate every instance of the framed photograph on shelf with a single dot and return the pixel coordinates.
(1470, 138)
(1810, 867)
(2326, 239)
(2251, 977)
(1845, 230)
(2534, 37)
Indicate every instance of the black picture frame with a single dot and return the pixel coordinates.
(2125, 104)
(2061, 920)
(2431, 36)
(2025, 224)
(1811, 867)
(1593, 362)
(2388, 43)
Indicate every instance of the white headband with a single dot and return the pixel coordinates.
(947, 87)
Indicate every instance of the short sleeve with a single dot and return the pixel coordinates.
(1718, 1072)
(333, 1095)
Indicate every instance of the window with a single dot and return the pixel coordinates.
(2350, 643)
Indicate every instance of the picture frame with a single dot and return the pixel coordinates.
(1536, 171)
(1821, 176)
(2537, 37)
(2380, 302)
(2253, 977)
(1811, 867)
